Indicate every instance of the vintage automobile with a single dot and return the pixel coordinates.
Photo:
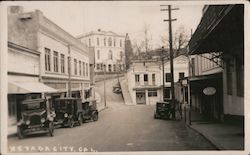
(90, 111)
(37, 116)
(163, 110)
(68, 111)
(117, 88)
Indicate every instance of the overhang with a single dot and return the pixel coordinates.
(220, 30)
(29, 87)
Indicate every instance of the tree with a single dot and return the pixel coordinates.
(180, 39)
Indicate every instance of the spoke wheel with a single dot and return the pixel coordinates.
(95, 117)
(71, 123)
(51, 129)
(20, 132)
(80, 119)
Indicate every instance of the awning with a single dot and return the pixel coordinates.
(29, 87)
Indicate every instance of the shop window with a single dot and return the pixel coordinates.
(229, 78)
(152, 93)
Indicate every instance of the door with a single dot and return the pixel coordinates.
(140, 98)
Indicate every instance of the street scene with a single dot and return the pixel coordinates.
(125, 77)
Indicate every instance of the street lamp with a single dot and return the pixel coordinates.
(104, 81)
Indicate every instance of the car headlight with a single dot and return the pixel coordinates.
(42, 120)
(27, 122)
(51, 119)
(65, 115)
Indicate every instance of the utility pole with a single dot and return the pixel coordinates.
(69, 71)
(169, 20)
(163, 81)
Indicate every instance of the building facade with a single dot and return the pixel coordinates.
(224, 45)
(43, 60)
(145, 79)
(109, 50)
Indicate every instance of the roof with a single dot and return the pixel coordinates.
(107, 33)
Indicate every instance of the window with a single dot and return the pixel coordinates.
(114, 68)
(47, 59)
(97, 41)
(75, 64)
(114, 42)
(110, 56)
(168, 77)
(89, 42)
(87, 69)
(121, 55)
(193, 66)
(167, 93)
(55, 61)
(62, 63)
(240, 77)
(104, 41)
(98, 54)
(152, 93)
(145, 79)
(110, 41)
(229, 78)
(181, 75)
(120, 43)
(97, 66)
(80, 68)
(83, 68)
(137, 78)
(153, 79)
(109, 68)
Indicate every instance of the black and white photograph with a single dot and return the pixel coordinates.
(139, 77)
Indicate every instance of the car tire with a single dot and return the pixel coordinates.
(95, 117)
(71, 123)
(20, 133)
(51, 129)
(80, 119)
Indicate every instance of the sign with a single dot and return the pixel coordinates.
(209, 91)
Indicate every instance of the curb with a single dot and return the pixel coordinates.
(103, 109)
(208, 138)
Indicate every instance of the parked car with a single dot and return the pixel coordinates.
(37, 116)
(68, 111)
(163, 110)
(117, 88)
(90, 111)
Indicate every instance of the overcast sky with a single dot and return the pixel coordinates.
(117, 16)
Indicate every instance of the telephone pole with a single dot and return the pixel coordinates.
(169, 20)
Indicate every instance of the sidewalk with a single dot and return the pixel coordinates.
(223, 136)
(125, 92)
(100, 105)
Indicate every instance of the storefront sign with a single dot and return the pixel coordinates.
(209, 91)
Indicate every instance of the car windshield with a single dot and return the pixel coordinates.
(33, 106)
(64, 105)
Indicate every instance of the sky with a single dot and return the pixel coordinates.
(78, 17)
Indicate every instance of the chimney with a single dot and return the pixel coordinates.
(15, 9)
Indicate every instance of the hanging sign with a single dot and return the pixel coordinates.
(209, 91)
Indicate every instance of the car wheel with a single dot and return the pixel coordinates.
(51, 129)
(20, 132)
(71, 123)
(95, 117)
(80, 120)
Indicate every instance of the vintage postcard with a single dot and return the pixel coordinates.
(124, 77)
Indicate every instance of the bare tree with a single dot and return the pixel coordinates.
(180, 39)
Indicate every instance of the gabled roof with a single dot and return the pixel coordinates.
(100, 32)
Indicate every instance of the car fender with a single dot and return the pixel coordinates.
(94, 112)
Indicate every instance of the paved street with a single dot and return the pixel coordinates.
(119, 128)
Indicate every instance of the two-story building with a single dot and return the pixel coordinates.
(108, 48)
(145, 78)
(43, 60)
